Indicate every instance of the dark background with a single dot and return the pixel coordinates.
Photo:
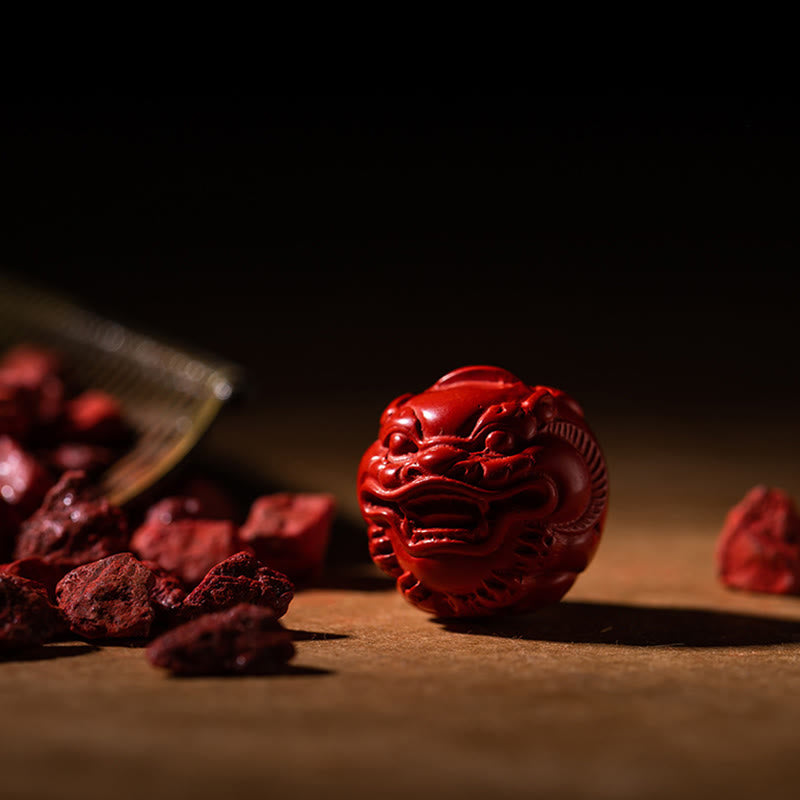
(636, 250)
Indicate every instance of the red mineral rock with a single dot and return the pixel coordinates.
(240, 579)
(241, 640)
(168, 593)
(215, 501)
(88, 458)
(36, 371)
(74, 526)
(290, 532)
(109, 598)
(172, 509)
(27, 618)
(35, 363)
(186, 548)
(23, 480)
(759, 546)
(39, 570)
(94, 417)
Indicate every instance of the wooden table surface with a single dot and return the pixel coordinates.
(649, 680)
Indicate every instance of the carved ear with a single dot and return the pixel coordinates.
(541, 405)
(545, 408)
(394, 407)
(571, 404)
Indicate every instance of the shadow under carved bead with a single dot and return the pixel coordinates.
(483, 494)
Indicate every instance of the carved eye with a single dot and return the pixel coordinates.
(501, 442)
(400, 444)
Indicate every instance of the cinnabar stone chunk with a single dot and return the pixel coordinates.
(39, 570)
(36, 372)
(35, 363)
(241, 578)
(23, 480)
(74, 526)
(168, 593)
(759, 546)
(27, 617)
(88, 458)
(243, 640)
(213, 499)
(186, 548)
(110, 598)
(172, 509)
(94, 417)
(290, 532)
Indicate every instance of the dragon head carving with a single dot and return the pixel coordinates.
(483, 494)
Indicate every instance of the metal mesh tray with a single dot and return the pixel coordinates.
(169, 395)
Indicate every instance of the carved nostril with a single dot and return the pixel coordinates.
(458, 472)
(476, 472)
(466, 472)
(409, 473)
(439, 459)
(497, 471)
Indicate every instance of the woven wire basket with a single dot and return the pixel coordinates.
(169, 395)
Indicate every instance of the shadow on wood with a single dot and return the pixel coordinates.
(636, 626)
(47, 652)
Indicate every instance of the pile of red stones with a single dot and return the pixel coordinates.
(205, 593)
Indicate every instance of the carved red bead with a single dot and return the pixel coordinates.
(483, 494)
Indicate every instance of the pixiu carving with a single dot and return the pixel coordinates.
(483, 494)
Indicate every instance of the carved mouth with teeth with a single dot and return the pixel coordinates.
(444, 522)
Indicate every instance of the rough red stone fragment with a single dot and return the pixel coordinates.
(109, 598)
(759, 546)
(51, 401)
(88, 458)
(290, 532)
(215, 502)
(242, 578)
(36, 363)
(186, 548)
(39, 570)
(36, 371)
(168, 593)
(94, 417)
(27, 617)
(172, 509)
(74, 526)
(241, 640)
(23, 480)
